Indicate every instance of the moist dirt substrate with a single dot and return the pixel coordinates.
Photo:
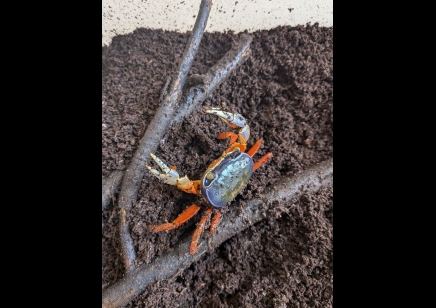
(285, 92)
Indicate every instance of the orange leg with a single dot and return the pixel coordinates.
(230, 135)
(255, 147)
(200, 227)
(262, 161)
(183, 217)
(215, 221)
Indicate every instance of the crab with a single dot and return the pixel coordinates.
(221, 182)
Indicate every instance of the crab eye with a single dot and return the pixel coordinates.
(208, 179)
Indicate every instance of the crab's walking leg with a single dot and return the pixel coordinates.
(253, 151)
(215, 221)
(254, 148)
(234, 120)
(183, 217)
(200, 227)
(230, 135)
(170, 176)
(262, 160)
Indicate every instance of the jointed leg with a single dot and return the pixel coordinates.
(215, 221)
(183, 217)
(262, 160)
(170, 176)
(200, 228)
(230, 135)
(254, 148)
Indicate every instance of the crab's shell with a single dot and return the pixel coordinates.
(226, 179)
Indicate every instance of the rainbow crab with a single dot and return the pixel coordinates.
(223, 180)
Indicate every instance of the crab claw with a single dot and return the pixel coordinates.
(169, 176)
(234, 120)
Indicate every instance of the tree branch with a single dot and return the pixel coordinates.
(170, 263)
(199, 87)
(109, 187)
(157, 128)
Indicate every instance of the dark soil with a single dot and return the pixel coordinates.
(285, 91)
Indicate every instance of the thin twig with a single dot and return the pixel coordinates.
(199, 87)
(109, 186)
(156, 129)
(164, 89)
(170, 263)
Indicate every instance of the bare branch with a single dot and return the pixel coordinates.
(199, 87)
(171, 263)
(109, 186)
(157, 128)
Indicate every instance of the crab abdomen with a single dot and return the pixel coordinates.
(223, 182)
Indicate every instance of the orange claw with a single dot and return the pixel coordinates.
(215, 221)
(183, 217)
(254, 148)
(262, 160)
(198, 231)
(230, 135)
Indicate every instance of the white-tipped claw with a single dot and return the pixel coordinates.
(160, 163)
(234, 120)
(228, 117)
(169, 177)
(154, 171)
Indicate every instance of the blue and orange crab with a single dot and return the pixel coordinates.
(221, 182)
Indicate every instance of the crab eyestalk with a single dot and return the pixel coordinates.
(234, 120)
